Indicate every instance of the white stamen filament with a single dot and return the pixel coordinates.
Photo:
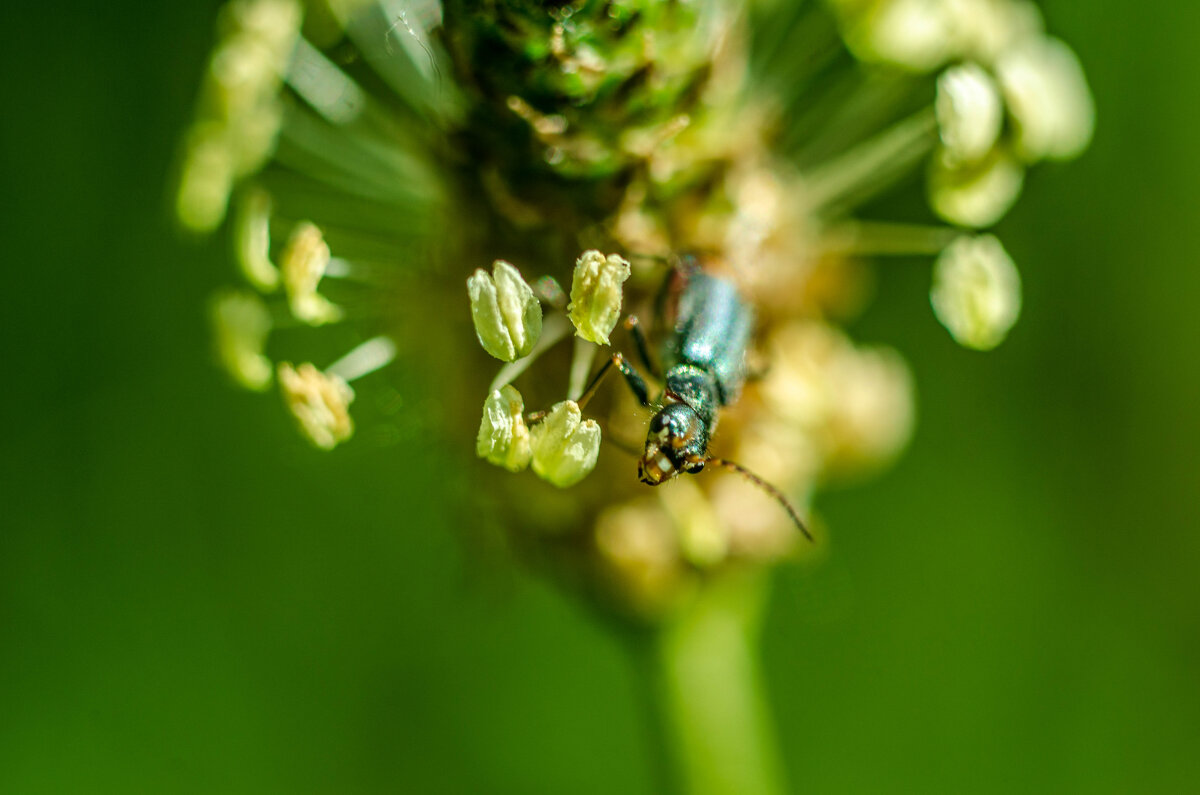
(873, 238)
(554, 329)
(372, 355)
(872, 165)
(581, 367)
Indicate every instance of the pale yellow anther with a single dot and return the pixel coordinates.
(206, 179)
(970, 112)
(239, 113)
(977, 195)
(506, 313)
(912, 34)
(1048, 97)
(565, 447)
(252, 239)
(984, 29)
(503, 438)
(976, 291)
(596, 294)
(303, 264)
(852, 406)
(274, 22)
(253, 136)
(241, 323)
(320, 403)
(243, 71)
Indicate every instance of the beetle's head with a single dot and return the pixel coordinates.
(677, 441)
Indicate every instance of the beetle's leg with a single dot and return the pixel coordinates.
(634, 327)
(636, 383)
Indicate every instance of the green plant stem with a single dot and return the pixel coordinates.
(708, 687)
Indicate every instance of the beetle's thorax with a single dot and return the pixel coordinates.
(677, 439)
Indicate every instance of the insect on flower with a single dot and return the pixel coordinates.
(704, 353)
(349, 142)
(706, 328)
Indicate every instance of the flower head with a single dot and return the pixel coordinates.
(643, 128)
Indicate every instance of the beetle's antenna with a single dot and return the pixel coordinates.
(765, 486)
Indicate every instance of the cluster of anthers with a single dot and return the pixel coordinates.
(347, 135)
(560, 446)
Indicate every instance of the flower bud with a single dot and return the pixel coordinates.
(503, 438)
(969, 112)
(1048, 97)
(977, 195)
(507, 315)
(303, 265)
(320, 403)
(976, 291)
(564, 448)
(596, 294)
(241, 323)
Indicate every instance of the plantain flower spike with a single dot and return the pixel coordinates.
(507, 315)
(1048, 97)
(976, 291)
(241, 323)
(565, 448)
(503, 438)
(969, 111)
(319, 401)
(976, 195)
(596, 294)
(303, 264)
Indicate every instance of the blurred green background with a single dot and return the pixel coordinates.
(192, 601)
